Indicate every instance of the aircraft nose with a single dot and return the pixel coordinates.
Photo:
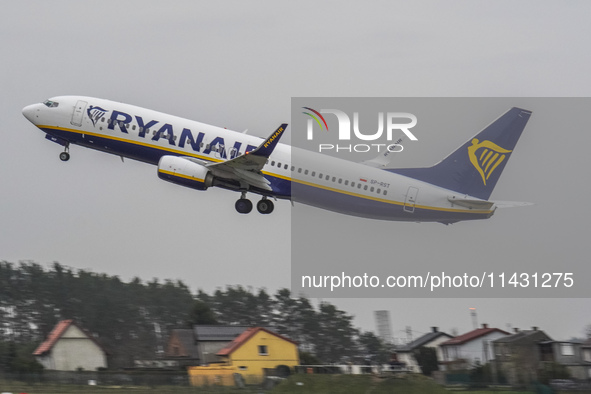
(30, 112)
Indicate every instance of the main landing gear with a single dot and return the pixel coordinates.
(244, 205)
(65, 155)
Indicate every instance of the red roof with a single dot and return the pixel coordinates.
(469, 336)
(244, 337)
(56, 334)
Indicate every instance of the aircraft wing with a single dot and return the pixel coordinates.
(383, 159)
(247, 168)
(378, 162)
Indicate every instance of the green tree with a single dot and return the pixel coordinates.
(372, 346)
(427, 359)
(201, 313)
(335, 338)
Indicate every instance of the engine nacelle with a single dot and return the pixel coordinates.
(184, 172)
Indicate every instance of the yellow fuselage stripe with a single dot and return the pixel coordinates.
(184, 153)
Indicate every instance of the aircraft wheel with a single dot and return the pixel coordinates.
(265, 206)
(64, 156)
(243, 205)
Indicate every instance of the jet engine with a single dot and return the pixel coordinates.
(184, 172)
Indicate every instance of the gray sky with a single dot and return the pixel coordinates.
(236, 64)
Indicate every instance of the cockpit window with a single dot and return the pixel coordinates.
(51, 104)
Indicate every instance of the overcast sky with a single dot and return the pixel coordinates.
(236, 64)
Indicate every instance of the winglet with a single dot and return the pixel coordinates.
(267, 147)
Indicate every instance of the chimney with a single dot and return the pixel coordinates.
(434, 329)
(515, 330)
(484, 325)
(534, 328)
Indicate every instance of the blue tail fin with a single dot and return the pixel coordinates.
(475, 167)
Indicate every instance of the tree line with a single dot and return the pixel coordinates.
(132, 320)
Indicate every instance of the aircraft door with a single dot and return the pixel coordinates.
(78, 113)
(411, 199)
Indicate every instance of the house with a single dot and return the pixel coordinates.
(432, 339)
(470, 349)
(69, 348)
(518, 356)
(199, 345)
(257, 349)
(586, 355)
(574, 355)
(182, 347)
(252, 354)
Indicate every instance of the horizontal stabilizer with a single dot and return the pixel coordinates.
(511, 204)
(471, 203)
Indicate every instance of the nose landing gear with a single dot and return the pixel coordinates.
(65, 155)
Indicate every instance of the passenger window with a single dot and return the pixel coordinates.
(378, 191)
(328, 177)
(371, 189)
(365, 187)
(300, 170)
(346, 182)
(313, 173)
(340, 180)
(285, 167)
(306, 172)
(352, 184)
(273, 163)
(279, 165)
(385, 192)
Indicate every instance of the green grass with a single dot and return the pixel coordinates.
(18, 388)
(295, 384)
(354, 384)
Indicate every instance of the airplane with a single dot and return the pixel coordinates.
(201, 156)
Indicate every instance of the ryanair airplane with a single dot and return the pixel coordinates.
(201, 156)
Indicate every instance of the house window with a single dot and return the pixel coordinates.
(566, 349)
(263, 350)
(242, 368)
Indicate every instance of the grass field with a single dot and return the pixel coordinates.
(296, 384)
(18, 388)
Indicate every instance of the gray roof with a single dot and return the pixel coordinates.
(422, 341)
(538, 335)
(218, 333)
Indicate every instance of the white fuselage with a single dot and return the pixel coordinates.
(310, 178)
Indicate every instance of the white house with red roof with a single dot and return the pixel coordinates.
(69, 348)
(471, 348)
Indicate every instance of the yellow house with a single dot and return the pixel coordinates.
(249, 354)
(258, 348)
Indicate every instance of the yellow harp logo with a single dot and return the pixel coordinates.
(486, 156)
